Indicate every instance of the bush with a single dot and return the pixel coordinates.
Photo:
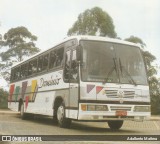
(155, 105)
(3, 99)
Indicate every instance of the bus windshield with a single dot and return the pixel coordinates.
(112, 63)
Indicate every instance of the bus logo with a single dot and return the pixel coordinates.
(120, 94)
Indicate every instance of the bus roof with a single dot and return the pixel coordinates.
(82, 37)
(107, 39)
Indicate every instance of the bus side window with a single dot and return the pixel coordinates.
(59, 57)
(12, 74)
(67, 65)
(40, 63)
(52, 59)
(32, 67)
(45, 62)
(11, 78)
(17, 73)
(56, 58)
(24, 71)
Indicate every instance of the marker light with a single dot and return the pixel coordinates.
(83, 107)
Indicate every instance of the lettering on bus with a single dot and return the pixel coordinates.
(52, 81)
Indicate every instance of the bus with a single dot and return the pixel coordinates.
(83, 78)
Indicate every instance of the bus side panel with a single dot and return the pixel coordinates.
(38, 93)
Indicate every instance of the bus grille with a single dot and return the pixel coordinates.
(113, 94)
(129, 94)
(115, 108)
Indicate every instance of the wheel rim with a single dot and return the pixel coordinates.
(60, 113)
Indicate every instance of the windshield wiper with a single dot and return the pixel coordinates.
(111, 71)
(128, 74)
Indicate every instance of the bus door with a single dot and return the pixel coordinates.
(71, 76)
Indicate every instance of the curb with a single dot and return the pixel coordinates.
(7, 112)
(155, 118)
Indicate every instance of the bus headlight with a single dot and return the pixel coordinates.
(142, 109)
(91, 107)
(101, 108)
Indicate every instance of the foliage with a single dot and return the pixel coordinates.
(93, 21)
(135, 40)
(3, 98)
(16, 44)
(20, 42)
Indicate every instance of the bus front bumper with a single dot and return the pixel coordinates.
(106, 112)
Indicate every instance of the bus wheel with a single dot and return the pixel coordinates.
(62, 120)
(115, 125)
(22, 113)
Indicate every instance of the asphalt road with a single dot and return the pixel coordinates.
(11, 124)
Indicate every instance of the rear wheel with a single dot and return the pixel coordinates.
(62, 120)
(22, 113)
(115, 125)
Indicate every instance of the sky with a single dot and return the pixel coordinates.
(50, 20)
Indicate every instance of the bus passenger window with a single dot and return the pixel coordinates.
(13, 74)
(17, 73)
(32, 67)
(74, 66)
(40, 63)
(24, 69)
(67, 65)
(52, 59)
(45, 62)
(12, 78)
(59, 57)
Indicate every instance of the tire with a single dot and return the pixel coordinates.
(22, 113)
(115, 125)
(62, 120)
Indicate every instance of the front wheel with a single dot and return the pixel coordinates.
(115, 125)
(62, 120)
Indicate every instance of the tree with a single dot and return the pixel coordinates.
(16, 44)
(93, 21)
(136, 40)
(20, 43)
(151, 72)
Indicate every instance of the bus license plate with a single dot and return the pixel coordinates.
(121, 113)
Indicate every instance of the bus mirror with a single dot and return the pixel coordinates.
(78, 53)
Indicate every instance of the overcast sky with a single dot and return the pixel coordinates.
(50, 20)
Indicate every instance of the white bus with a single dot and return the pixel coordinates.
(84, 78)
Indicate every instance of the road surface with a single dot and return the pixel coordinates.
(11, 124)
